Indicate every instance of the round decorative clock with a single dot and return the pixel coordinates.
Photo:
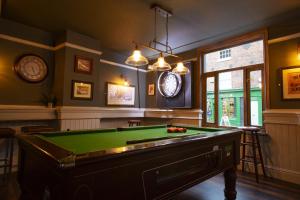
(169, 84)
(31, 68)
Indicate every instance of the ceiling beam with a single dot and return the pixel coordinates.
(2, 5)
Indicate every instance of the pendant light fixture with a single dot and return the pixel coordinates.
(161, 64)
(181, 69)
(137, 59)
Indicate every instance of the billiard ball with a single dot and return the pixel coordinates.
(181, 130)
(171, 130)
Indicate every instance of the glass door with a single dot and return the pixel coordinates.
(210, 98)
(255, 92)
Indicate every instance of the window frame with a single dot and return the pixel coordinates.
(225, 53)
(226, 44)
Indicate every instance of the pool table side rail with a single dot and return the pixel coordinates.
(77, 132)
(133, 128)
(59, 157)
(209, 129)
(66, 159)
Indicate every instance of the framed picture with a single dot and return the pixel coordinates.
(82, 90)
(291, 82)
(83, 65)
(120, 95)
(151, 89)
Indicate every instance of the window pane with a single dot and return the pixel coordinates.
(256, 98)
(238, 56)
(231, 98)
(210, 100)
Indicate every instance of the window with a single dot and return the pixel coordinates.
(225, 79)
(244, 55)
(225, 55)
(233, 87)
(210, 99)
(230, 97)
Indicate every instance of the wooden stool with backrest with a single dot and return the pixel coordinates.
(254, 144)
(6, 162)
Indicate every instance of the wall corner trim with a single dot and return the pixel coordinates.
(75, 46)
(282, 116)
(121, 65)
(284, 38)
(47, 47)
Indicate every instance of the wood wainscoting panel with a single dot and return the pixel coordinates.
(191, 117)
(78, 118)
(79, 124)
(281, 148)
(24, 112)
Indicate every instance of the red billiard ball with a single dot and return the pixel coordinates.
(171, 130)
(181, 130)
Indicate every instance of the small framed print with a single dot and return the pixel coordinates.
(82, 90)
(83, 65)
(151, 89)
(290, 82)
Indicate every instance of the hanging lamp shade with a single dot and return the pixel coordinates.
(151, 68)
(181, 69)
(137, 59)
(161, 64)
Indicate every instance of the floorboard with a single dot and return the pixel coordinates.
(212, 189)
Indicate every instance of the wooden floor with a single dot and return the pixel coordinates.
(212, 189)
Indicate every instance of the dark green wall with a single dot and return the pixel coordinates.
(102, 73)
(151, 101)
(61, 67)
(13, 90)
(151, 79)
(282, 54)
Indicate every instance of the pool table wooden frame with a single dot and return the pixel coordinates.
(152, 170)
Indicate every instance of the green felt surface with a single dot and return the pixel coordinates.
(83, 142)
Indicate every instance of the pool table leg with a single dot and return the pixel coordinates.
(230, 182)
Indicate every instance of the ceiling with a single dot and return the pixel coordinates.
(116, 23)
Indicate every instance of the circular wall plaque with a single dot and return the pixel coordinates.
(169, 84)
(31, 68)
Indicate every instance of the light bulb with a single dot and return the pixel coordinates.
(161, 61)
(136, 55)
(180, 66)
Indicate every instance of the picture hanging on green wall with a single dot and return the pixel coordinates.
(83, 65)
(291, 83)
(82, 90)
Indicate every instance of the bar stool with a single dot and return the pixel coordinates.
(36, 129)
(134, 122)
(7, 161)
(255, 145)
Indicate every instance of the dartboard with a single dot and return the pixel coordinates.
(169, 84)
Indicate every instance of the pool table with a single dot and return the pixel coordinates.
(133, 163)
